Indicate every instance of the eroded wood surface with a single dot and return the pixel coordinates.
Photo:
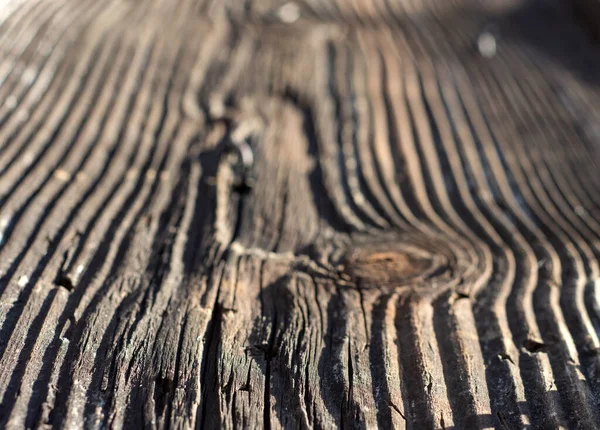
(415, 243)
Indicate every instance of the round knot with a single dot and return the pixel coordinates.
(401, 262)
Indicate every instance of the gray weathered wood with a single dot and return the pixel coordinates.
(414, 242)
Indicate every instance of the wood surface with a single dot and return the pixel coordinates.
(329, 213)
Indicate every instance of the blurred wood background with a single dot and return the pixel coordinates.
(314, 214)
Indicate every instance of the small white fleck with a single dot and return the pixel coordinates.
(22, 115)
(23, 280)
(79, 268)
(4, 223)
(62, 175)
(216, 108)
(28, 157)
(289, 13)
(487, 45)
(131, 174)
(579, 210)
(28, 76)
(151, 174)
(11, 102)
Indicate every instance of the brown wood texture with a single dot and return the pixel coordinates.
(329, 213)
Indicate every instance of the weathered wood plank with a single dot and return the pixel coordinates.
(314, 214)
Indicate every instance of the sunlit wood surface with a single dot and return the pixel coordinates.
(247, 214)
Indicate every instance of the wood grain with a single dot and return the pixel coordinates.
(320, 214)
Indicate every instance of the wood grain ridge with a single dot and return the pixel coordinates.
(312, 214)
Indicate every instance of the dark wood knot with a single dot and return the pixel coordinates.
(400, 263)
